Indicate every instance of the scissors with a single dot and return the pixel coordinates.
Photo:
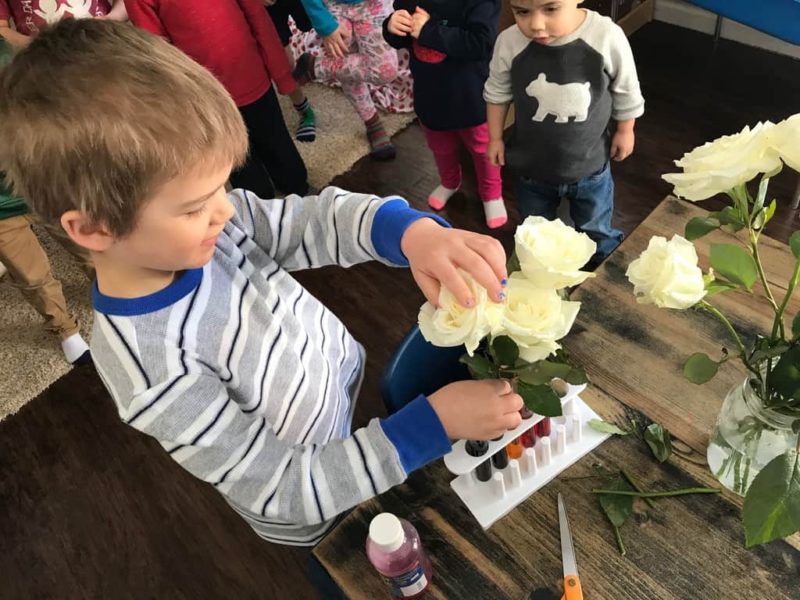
(572, 584)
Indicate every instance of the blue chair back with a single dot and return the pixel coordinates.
(418, 367)
(779, 18)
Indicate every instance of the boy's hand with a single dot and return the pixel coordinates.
(435, 254)
(477, 410)
(419, 18)
(496, 153)
(337, 43)
(400, 23)
(622, 142)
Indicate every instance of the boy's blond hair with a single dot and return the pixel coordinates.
(97, 115)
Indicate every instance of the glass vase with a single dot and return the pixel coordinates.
(746, 437)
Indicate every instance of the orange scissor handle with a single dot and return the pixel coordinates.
(572, 588)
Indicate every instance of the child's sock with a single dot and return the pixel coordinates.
(439, 197)
(381, 147)
(307, 128)
(303, 71)
(495, 211)
(75, 350)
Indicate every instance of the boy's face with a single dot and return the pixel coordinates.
(545, 20)
(178, 228)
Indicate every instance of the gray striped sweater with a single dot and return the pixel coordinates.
(249, 382)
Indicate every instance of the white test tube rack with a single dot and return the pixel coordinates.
(570, 439)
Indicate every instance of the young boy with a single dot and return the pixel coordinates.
(202, 337)
(571, 76)
(237, 42)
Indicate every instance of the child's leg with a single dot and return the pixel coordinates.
(539, 198)
(252, 175)
(370, 60)
(271, 143)
(445, 148)
(29, 272)
(591, 207)
(490, 185)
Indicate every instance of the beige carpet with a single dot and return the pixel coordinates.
(31, 359)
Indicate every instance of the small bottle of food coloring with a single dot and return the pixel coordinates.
(478, 448)
(394, 549)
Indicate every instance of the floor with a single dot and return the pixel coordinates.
(92, 509)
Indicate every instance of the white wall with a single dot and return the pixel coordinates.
(683, 14)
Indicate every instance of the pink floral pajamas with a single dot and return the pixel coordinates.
(369, 60)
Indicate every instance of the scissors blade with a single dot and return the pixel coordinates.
(567, 547)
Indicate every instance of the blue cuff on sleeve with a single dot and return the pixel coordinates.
(417, 433)
(389, 225)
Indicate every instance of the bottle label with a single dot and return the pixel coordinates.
(409, 583)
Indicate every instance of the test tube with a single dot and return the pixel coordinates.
(528, 438)
(483, 472)
(516, 476)
(525, 412)
(515, 448)
(500, 459)
(530, 462)
(499, 485)
(543, 428)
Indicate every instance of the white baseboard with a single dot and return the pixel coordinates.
(683, 14)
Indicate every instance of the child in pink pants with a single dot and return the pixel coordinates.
(450, 42)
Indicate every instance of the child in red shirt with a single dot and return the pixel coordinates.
(237, 42)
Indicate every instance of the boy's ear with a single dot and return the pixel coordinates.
(91, 236)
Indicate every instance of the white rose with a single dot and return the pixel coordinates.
(784, 138)
(667, 275)
(533, 317)
(551, 253)
(452, 324)
(726, 162)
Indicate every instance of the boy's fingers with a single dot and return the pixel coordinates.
(453, 281)
(429, 286)
(484, 269)
(493, 253)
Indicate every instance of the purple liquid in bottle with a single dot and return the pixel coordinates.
(394, 549)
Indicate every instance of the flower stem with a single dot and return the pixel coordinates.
(636, 486)
(778, 323)
(666, 494)
(742, 352)
(620, 543)
(789, 291)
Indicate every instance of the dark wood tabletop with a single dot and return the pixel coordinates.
(682, 548)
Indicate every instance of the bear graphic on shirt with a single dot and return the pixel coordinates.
(562, 100)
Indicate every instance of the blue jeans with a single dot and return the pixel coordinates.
(591, 205)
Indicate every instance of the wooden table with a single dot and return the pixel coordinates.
(684, 548)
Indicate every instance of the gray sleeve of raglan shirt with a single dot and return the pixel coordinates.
(611, 42)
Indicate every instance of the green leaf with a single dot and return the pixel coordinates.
(697, 227)
(479, 366)
(541, 399)
(576, 376)
(734, 263)
(717, 285)
(505, 350)
(768, 352)
(796, 325)
(772, 502)
(794, 244)
(770, 212)
(729, 216)
(617, 508)
(659, 441)
(543, 372)
(699, 368)
(785, 376)
(604, 427)
(512, 264)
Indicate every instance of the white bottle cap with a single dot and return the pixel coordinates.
(386, 532)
